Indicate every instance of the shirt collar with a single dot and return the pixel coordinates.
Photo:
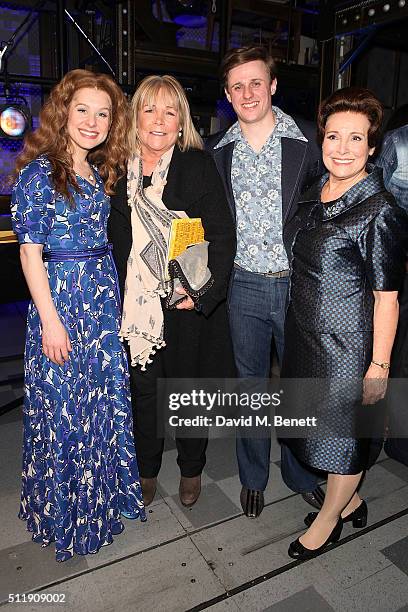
(367, 187)
(285, 127)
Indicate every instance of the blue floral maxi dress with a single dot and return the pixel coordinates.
(79, 464)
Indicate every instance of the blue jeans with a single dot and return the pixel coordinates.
(257, 308)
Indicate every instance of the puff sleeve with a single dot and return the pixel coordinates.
(33, 203)
(383, 246)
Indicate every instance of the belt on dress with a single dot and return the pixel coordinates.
(84, 255)
(70, 255)
(280, 274)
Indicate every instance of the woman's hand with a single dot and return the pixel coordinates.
(374, 384)
(187, 303)
(55, 342)
(384, 327)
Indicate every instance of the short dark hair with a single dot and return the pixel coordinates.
(354, 100)
(243, 55)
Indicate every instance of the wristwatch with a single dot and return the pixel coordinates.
(385, 365)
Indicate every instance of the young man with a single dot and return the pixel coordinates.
(265, 159)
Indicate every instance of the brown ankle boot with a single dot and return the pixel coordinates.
(189, 490)
(148, 489)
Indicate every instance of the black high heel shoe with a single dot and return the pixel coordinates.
(300, 552)
(358, 517)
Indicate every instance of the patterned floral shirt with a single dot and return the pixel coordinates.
(256, 184)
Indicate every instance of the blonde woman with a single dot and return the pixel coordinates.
(169, 175)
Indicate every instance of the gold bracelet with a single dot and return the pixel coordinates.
(385, 365)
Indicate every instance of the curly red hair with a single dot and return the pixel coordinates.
(51, 138)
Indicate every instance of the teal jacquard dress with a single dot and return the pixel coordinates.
(79, 464)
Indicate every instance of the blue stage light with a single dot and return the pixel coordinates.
(188, 13)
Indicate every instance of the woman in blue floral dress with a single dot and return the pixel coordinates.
(79, 465)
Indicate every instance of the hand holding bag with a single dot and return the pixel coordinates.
(189, 270)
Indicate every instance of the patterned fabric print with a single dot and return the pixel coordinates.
(256, 184)
(79, 464)
(39, 216)
(339, 361)
(339, 258)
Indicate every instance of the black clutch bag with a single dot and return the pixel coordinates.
(189, 270)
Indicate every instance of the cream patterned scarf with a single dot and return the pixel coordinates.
(142, 320)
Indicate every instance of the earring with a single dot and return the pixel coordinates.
(180, 132)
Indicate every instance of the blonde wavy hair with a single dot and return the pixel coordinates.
(146, 94)
(52, 139)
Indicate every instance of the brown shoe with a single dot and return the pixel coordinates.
(189, 490)
(148, 489)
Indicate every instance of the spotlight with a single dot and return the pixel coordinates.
(15, 120)
(188, 13)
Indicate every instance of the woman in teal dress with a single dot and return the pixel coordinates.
(80, 472)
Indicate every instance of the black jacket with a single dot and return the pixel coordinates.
(198, 344)
(193, 185)
(301, 164)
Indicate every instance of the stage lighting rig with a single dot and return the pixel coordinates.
(15, 120)
(369, 13)
(188, 13)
